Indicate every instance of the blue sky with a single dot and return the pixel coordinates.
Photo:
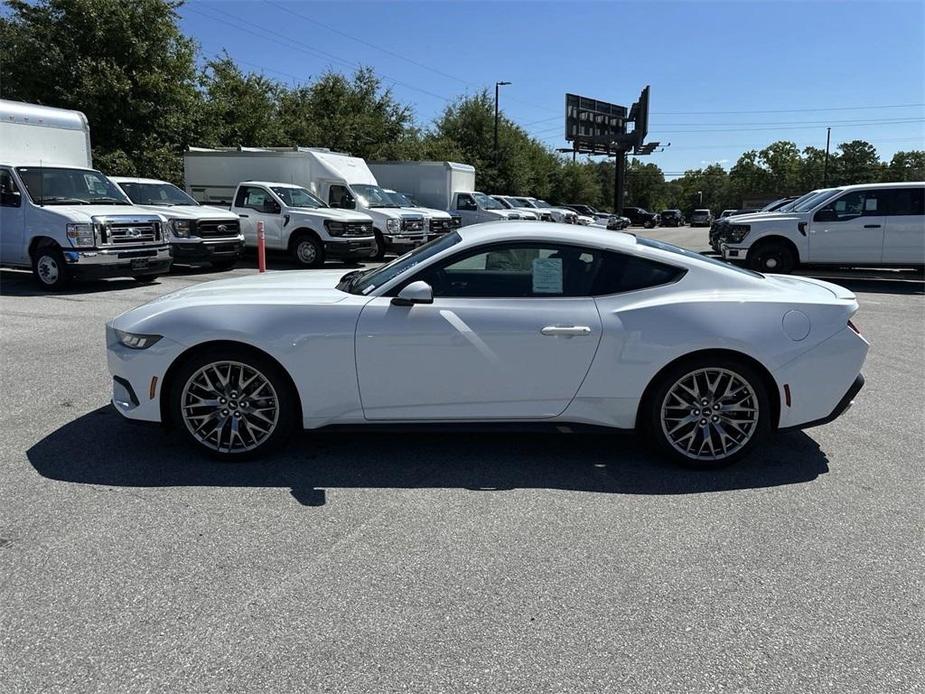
(725, 76)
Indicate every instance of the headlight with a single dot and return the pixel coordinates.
(81, 235)
(181, 228)
(335, 228)
(737, 232)
(393, 225)
(135, 340)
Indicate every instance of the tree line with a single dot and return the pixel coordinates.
(149, 93)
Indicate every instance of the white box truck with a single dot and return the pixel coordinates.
(341, 181)
(443, 185)
(60, 217)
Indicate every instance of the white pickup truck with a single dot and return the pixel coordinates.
(300, 223)
(198, 233)
(59, 216)
(873, 225)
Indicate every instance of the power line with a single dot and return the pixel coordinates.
(790, 110)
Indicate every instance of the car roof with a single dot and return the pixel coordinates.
(865, 186)
(132, 179)
(277, 184)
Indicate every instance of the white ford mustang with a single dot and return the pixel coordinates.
(497, 323)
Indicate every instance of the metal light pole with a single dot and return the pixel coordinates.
(498, 86)
(700, 197)
(825, 166)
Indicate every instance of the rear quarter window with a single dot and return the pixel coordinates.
(625, 273)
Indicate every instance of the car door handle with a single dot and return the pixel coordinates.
(244, 216)
(566, 330)
(871, 226)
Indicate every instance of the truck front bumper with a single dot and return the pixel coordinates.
(118, 262)
(353, 248)
(733, 252)
(404, 241)
(207, 250)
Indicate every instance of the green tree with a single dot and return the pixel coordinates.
(241, 109)
(124, 64)
(905, 166)
(857, 163)
(575, 182)
(644, 184)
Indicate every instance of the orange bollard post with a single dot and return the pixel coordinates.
(261, 248)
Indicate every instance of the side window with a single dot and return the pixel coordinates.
(256, 199)
(9, 193)
(339, 196)
(626, 273)
(465, 202)
(906, 202)
(857, 203)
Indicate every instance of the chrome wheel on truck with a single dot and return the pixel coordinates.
(230, 407)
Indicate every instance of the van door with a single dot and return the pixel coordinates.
(12, 219)
(904, 230)
(849, 229)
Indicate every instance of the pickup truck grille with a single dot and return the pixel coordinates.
(217, 228)
(123, 234)
(358, 229)
(441, 226)
(409, 224)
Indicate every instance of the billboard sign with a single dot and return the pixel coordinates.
(592, 125)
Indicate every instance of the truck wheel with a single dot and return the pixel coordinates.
(772, 256)
(379, 247)
(49, 269)
(308, 251)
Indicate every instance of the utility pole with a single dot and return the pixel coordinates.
(498, 86)
(825, 167)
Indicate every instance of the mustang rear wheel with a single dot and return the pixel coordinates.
(709, 413)
(233, 405)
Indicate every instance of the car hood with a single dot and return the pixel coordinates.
(191, 212)
(759, 216)
(428, 212)
(86, 212)
(292, 287)
(331, 213)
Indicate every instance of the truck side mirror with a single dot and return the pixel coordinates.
(271, 207)
(415, 293)
(826, 214)
(10, 198)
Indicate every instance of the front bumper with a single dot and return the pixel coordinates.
(733, 252)
(132, 261)
(407, 240)
(353, 248)
(138, 376)
(203, 251)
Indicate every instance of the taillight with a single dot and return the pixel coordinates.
(854, 327)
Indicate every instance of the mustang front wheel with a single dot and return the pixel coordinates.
(709, 414)
(233, 405)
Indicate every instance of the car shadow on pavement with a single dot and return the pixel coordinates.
(21, 283)
(103, 448)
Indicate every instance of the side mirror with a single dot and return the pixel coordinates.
(271, 207)
(826, 214)
(10, 199)
(415, 293)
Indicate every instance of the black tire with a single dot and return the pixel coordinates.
(379, 250)
(649, 225)
(49, 269)
(225, 264)
(145, 279)
(307, 250)
(285, 402)
(772, 256)
(656, 430)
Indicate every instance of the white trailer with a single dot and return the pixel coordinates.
(59, 216)
(340, 180)
(444, 185)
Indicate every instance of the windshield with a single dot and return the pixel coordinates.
(363, 282)
(486, 202)
(70, 187)
(504, 203)
(165, 194)
(401, 199)
(771, 206)
(373, 196)
(542, 204)
(297, 197)
(523, 202)
(671, 248)
(793, 203)
(810, 202)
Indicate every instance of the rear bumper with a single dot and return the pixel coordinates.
(843, 406)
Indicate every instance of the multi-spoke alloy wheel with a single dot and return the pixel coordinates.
(710, 414)
(230, 407)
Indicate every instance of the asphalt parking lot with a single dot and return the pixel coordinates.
(450, 562)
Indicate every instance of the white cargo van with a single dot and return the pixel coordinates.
(340, 180)
(443, 185)
(60, 217)
(198, 233)
(873, 225)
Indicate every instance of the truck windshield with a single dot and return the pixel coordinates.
(523, 202)
(297, 197)
(49, 186)
(486, 202)
(810, 202)
(373, 196)
(542, 204)
(401, 199)
(363, 282)
(504, 203)
(165, 194)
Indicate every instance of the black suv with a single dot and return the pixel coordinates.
(641, 217)
(671, 218)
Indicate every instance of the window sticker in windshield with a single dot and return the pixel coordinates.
(547, 276)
